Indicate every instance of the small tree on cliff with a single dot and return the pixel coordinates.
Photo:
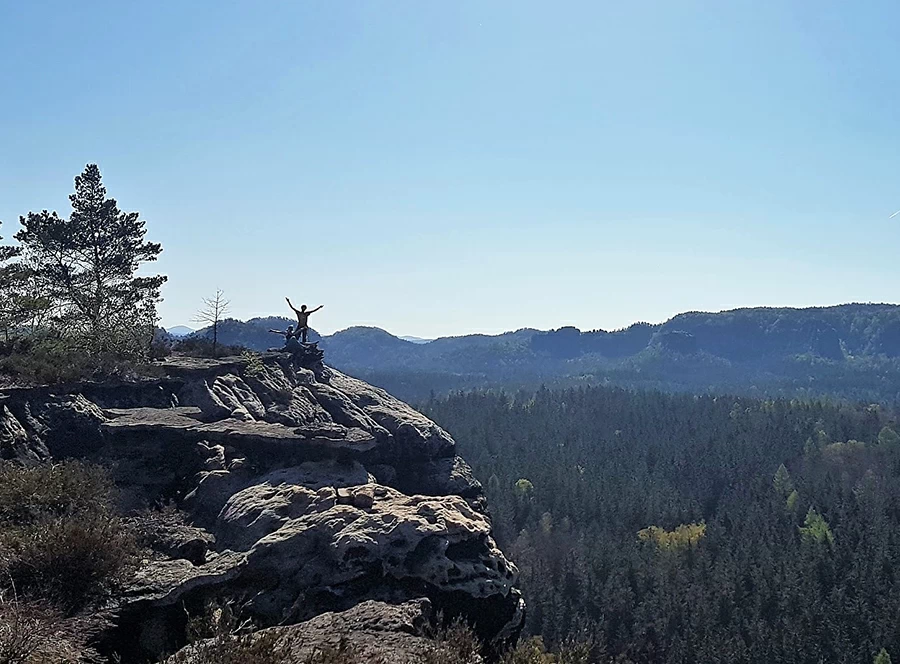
(87, 265)
(212, 313)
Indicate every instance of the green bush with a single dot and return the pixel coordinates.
(29, 495)
(60, 539)
(49, 360)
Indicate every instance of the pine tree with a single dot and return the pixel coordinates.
(782, 481)
(88, 263)
(882, 657)
(816, 529)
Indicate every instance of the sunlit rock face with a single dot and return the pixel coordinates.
(308, 492)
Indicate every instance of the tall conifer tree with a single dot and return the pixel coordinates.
(88, 264)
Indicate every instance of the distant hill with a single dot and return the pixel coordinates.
(848, 351)
(179, 330)
(253, 333)
(416, 340)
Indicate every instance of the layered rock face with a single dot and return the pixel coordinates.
(310, 493)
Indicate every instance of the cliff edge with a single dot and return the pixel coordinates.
(309, 496)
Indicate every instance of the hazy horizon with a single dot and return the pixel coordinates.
(445, 169)
(403, 334)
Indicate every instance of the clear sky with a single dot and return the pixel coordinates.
(439, 168)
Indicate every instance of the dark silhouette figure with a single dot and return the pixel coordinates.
(303, 319)
(290, 338)
(287, 334)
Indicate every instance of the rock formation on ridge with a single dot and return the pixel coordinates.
(307, 492)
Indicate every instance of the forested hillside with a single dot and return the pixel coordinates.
(675, 528)
(850, 351)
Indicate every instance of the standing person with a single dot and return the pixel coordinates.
(303, 318)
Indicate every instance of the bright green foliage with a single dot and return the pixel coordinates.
(86, 265)
(782, 481)
(523, 488)
(887, 437)
(882, 657)
(840, 453)
(816, 530)
(791, 501)
(254, 364)
(686, 536)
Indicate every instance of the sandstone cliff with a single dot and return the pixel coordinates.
(311, 496)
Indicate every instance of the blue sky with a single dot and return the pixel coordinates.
(439, 168)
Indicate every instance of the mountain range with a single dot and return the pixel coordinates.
(850, 351)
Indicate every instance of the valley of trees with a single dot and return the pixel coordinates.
(693, 529)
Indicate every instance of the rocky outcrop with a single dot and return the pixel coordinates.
(370, 632)
(309, 495)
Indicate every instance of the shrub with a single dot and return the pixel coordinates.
(255, 366)
(32, 633)
(64, 489)
(233, 649)
(457, 644)
(50, 360)
(59, 537)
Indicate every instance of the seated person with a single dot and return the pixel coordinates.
(290, 338)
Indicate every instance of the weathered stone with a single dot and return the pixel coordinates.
(181, 422)
(71, 422)
(371, 632)
(168, 533)
(376, 533)
(165, 582)
(16, 444)
(413, 433)
(277, 462)
(197, 393)
(235, 395)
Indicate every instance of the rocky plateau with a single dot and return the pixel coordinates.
(314, 501)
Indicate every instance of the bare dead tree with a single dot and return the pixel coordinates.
(212, 313)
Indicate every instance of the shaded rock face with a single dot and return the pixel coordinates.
(307, 491)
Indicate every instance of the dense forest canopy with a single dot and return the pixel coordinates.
(678, 528)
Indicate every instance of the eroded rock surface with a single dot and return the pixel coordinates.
(369, 633)
(309, 495)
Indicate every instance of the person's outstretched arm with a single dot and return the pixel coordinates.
(312, 311)
(291, 305)
(277, 331)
